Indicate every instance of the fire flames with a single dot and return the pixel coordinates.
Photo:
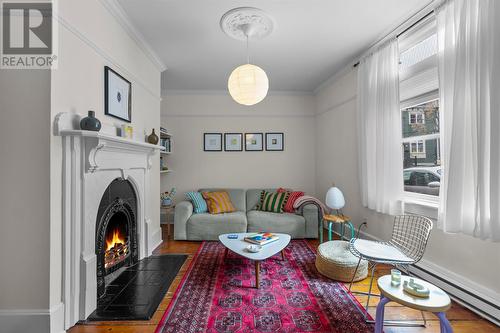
(117, 238)
(116, 248)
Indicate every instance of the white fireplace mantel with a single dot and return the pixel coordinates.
(91, 161)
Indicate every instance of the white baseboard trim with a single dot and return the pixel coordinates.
(156, 239)
(483, 301)
(33, 320)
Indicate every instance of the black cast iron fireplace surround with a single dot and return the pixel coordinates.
(118, 201)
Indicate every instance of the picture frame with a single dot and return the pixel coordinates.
(254, 141)
(233, 142)
(212, 141)
(275, 141)
(117, 95)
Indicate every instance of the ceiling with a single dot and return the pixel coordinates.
(312, 40)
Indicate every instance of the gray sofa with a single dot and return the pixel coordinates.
(205, 226)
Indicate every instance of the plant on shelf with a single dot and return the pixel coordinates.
(167, 198)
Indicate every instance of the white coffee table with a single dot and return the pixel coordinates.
(238, 246)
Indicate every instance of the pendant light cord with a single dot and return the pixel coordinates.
(248, 55)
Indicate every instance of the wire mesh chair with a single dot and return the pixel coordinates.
(410, 234)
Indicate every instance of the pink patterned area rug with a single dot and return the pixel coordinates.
(217, 294)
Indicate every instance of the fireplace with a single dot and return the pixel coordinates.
(116, 232)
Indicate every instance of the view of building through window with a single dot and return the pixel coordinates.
(421, 149)
(419, 90)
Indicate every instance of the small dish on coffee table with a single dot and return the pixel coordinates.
(254, 248)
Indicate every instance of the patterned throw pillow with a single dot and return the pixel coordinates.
(291, 200)
(218, 202)
(199, 204)
(272, 201)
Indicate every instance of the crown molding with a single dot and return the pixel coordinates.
(334, 78)
(173, 92)
(115, 9)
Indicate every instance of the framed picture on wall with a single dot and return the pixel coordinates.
(254, 141)
(233, 142)
(212, 142)
(117, 95)
(275, 141)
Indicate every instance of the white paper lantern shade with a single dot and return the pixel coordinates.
(334, 198)
(248, 84)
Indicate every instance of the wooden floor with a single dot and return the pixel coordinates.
(462, 320)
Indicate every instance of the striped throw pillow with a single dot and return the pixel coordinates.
(199, 204)
(272, 201)
(291, 200)
(218, 202)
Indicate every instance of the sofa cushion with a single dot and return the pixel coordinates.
(273, 202)
(199, 204)
(253, 197)
(207, 226)
(237, 196)
(292, 224)
(218, 202)
(294, 195)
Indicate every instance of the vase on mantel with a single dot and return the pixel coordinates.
(153, 138)
(90, 123)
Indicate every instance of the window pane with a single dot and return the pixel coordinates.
(421, 150)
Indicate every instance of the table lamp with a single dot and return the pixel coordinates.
(335, 198)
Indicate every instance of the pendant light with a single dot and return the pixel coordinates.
(248, 84)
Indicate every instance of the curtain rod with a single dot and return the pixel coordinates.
(428, 11)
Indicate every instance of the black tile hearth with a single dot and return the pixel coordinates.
(137, 292)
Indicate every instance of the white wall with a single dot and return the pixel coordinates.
(188, 116)
(24, 201)
(90, 38)
(467, 261)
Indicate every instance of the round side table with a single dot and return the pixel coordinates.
(437, 302)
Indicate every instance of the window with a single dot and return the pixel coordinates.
(419, 93)
(417, 147)
(417, 117)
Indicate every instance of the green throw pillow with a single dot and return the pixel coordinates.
(272, 201)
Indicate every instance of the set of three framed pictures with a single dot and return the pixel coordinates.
(234, 141)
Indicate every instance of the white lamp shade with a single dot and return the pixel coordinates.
(335, 198)
(248, 84)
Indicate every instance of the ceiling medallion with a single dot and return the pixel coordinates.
(235, 22)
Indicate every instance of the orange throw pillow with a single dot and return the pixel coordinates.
(218, 202)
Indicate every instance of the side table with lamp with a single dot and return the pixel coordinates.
(335, 200)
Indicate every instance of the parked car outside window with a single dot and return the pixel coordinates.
(424, 180)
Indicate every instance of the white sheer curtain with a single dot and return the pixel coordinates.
(469, 75)
(379, 130)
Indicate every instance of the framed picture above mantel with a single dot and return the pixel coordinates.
(117, 95)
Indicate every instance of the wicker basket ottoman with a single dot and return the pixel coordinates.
(334, 260)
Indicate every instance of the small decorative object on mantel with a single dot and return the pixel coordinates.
(127, 131)
(167, 198)
(90, 123)
(153, 138)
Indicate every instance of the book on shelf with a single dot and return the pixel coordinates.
(261, 238)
